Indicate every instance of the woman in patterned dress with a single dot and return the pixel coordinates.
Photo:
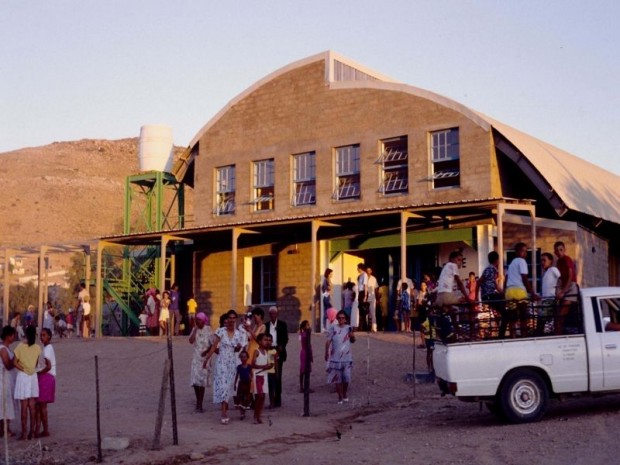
(201, 337)
(229, 341)
(338, 355)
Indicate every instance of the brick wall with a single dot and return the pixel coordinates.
(589, 251)
(594, 253)
(213, 281)
(296, 112)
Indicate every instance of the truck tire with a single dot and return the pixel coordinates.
(524, 396)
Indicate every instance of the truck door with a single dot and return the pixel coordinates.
(607, 325)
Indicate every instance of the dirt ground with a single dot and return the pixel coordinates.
(388, 421)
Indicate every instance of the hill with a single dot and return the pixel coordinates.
(65, 191)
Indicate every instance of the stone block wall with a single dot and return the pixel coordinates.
(213, 283)
(297, 112)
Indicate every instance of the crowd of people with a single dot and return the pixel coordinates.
(160, 308)
(27, 381)
(449, 308)
(244, 357)
(249, 359)
(513, 306)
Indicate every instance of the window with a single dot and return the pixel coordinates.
(264, 275)
(347, 172)
(225, 190)
(609, 308)
(304, 179)
(445, 158)
(394, 160)
(263, 190)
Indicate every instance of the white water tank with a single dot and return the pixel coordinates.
(156, 149)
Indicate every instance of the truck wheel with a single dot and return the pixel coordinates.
(524, 396)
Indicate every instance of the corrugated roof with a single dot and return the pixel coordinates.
(413, 207)
(582, 186)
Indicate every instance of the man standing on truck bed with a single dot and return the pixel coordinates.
(518, 287)
(447, 297)
(567, 287)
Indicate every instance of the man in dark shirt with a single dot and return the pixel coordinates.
(279, 332)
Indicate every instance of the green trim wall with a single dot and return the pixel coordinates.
(467, 235)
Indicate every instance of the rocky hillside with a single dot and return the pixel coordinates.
(65, 191)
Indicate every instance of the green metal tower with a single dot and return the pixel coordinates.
(154, 202)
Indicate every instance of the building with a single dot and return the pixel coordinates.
(325, 163)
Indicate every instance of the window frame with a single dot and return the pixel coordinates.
(303, 186)
(394, 166)
(445, 158)
(225, 190)
(263, 185)
(347, 173)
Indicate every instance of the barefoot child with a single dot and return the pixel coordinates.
(429, 343)
(70, 322)
(27, 385)
(47, 385)
(192, 305)
(143, 317)
(405, 308)
(272, 372)
(260, 365)
(164, 313)
(243, 383)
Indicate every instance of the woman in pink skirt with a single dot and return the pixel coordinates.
(47, 385)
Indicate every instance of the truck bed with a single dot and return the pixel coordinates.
(479, 367)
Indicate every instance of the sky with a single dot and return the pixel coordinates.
(76, 69)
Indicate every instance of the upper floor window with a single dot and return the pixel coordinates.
(225, 190)
(263, 188)
(394, 161)
(445, 158)
(304, 179)
(347, 172)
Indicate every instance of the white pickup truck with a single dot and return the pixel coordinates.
(516, 378)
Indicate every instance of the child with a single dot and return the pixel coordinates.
(272, 372)
(86, 317)
(243, 383)
(405, 308)
(144, 316)
(348, 296)
(305, 354)
(16, 323)
(429, 342)
(27, 385)
(192, 305)
(70, 322)
(60, 325)
(331, 317)
(47, 385)
(260, 365)
(164, 313)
